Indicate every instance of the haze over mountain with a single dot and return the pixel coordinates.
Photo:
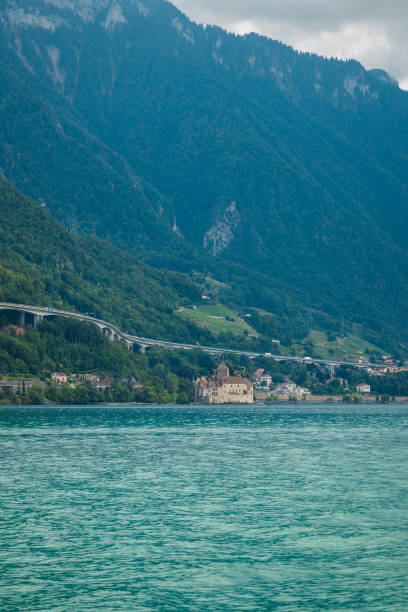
(282, 174)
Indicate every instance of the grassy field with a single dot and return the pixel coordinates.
(349, 347)
(217, 318)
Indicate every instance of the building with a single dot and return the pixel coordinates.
(391, 368)
(375, 372)
(259, 373)
(223, 388)
(265, 380)
(93, 378)
(59, 378)
(102, 385)
(15, 329)
(363, 388)
(290, 389)
(262, 379)
(20, 386)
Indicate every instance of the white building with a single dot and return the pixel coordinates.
(363, 388)
(290, 389)
(265, 380)
(59, 378)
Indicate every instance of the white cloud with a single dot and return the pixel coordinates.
(371, 31)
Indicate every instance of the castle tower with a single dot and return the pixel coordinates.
(222, 370)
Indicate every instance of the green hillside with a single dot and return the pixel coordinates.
(41, 263)
(217, 318)
(279, 177)
(79, 348)
(344, 348)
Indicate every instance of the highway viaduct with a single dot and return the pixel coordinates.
(114, 333)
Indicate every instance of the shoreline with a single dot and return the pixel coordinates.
(397, 401)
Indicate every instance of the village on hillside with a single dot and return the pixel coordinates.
(258, 381)
(222, 388)
(225, 387)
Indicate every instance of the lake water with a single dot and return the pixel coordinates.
(165, 508)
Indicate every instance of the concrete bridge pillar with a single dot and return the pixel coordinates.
(22, 320)
(332, 369)
(107, 332)
(38, 320)
(321, 367)
(129, 345)
(111, 335)
(142, 349)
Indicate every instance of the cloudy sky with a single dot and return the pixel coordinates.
(372, 31)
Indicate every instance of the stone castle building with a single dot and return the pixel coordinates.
(224, 389)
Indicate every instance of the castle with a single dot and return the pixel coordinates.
(222, 388)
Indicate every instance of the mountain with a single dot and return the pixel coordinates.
(49, 266)
(281, 174)
(41, 263)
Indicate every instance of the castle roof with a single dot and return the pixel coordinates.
(219, 381)
(222, 370)
(234, 380)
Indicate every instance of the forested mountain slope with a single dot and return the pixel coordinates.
(43, 264)
(283, 174)
(48, 152)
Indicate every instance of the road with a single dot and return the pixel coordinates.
(39, 312)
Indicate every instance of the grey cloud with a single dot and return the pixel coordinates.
(371, 31)
(302, 11)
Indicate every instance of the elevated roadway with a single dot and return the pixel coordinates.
(114, 333)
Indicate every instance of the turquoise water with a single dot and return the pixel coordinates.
(299, 508)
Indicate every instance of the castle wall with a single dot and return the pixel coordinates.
(222, 392)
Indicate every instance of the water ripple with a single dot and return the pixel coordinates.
(168, 508)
